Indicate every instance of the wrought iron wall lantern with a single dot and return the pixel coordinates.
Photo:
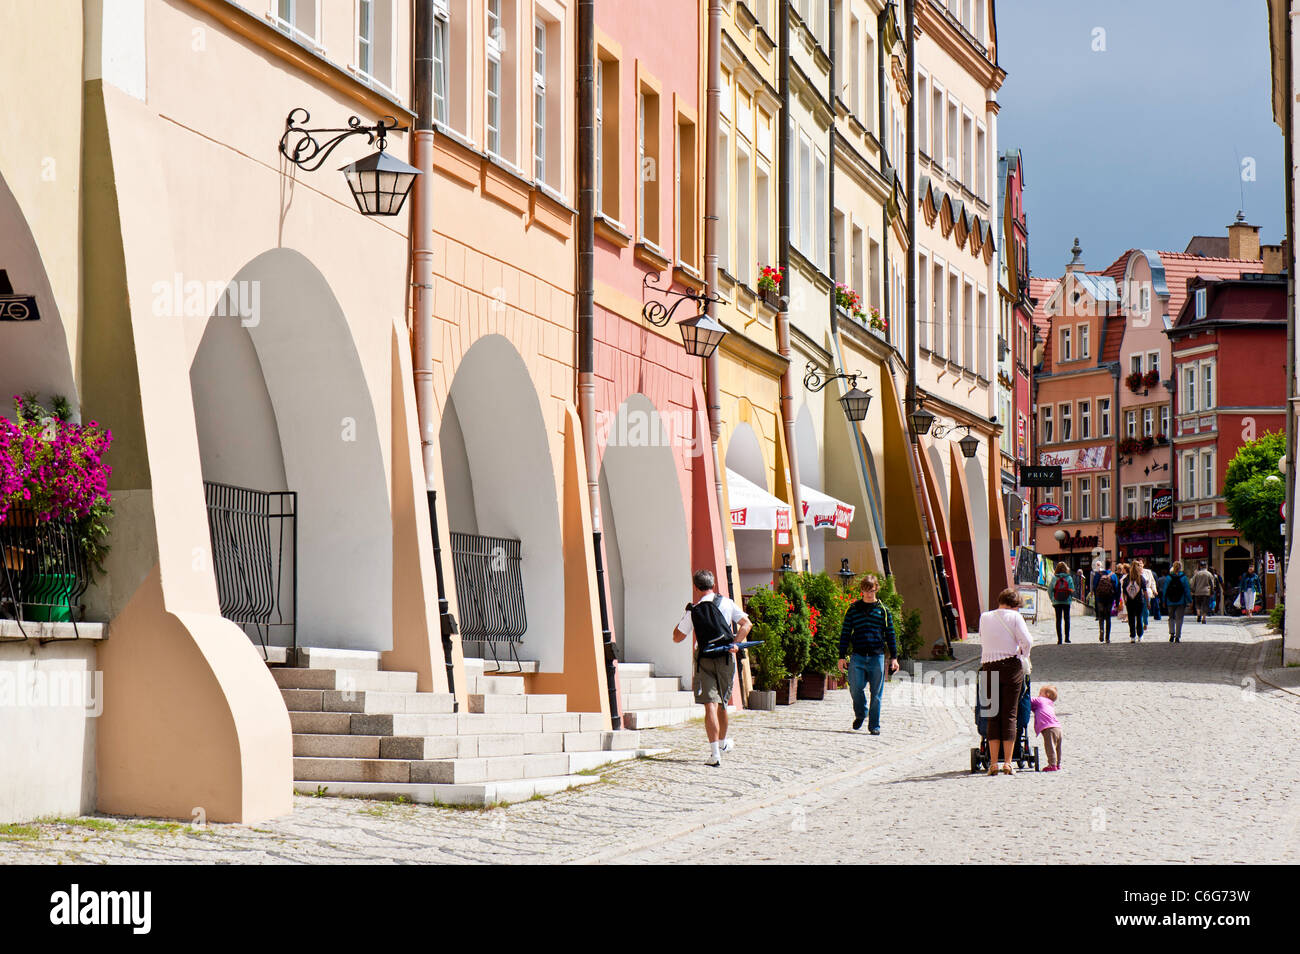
(787, 563)
(919, 420)
(379, 182)
(969, 444)
(701, 334)
(845, 574)
(854, 401)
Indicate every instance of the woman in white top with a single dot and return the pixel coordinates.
(1004, 652)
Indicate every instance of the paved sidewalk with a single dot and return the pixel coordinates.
(1172, 753)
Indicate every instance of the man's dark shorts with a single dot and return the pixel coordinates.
(714, 677)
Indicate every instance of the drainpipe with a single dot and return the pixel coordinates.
(713, 167)
(422, 282)
(783, 316)
(587, 319)
(1288, 150)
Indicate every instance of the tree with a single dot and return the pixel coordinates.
(1254, 490)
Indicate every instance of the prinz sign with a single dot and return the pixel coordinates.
(18, 308)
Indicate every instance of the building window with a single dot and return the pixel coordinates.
(967, 152)
(1145, 510)
(1103, 498)
(936, 319)
(1066, 430)
(805, 195)
(1153, 361)
(1148, 422)
(501, 87)
(981, 167)
(923, 302)
(298, 19)
(1164, 420)
(950, 161)
(1207, 385)
(744, 208)
(969, 318)
(607, 139)
(819, 200)
(687, 195)
(441, 61)
(375, 41)
(1200, 303)
(1189, 476)
(1066, 500)
(1130, 502)
(648, 164)
(872, 291)
(1189, 389)
(1103, 413)
(1144, 297)
(1085, 420)
(1083, 341)
(936, 123)
(1085, 498)
(981, 333)
(1135, 363)
(954, 317)
(1047, 424)
(923, 112)
(1130, 424)
(539, 99)
(1207, 473)
(1067, 345)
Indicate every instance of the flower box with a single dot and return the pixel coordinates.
(812, 685)
(762, 700)
(788, 692)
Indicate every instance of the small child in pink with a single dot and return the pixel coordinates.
(1046, 725)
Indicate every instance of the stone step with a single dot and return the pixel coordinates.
(351, 770)
(655, 718)
(507, 768)
(475, 795)
(495, 685)
(309, 657)
(324, 723)
(369, 702)
(505, 667)
(494, 703)
(678, 699)
(648, 684)
(344, 679)
(635, 670)
(326, 746)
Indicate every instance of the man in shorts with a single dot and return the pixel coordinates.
(717, 624)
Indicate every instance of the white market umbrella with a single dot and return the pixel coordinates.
(752, 507)
(824, 512)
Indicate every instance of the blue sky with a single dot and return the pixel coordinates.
(1139, 144)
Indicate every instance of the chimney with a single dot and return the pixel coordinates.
(1076, 263)
(1243, 240)
(1274, 258)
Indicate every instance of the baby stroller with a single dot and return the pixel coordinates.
(1023, 754)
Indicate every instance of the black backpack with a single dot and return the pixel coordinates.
(1105, 592)
(1174, 589)
(713, 635)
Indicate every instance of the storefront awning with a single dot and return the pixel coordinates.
(823, 512)
(753, 508)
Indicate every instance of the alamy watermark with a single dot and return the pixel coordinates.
(182, 298)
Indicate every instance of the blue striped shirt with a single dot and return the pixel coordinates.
(869, 629)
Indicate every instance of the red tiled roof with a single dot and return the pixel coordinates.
(1114, 338)
(1179, 267)
(1040, 289)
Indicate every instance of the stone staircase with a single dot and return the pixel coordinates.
(651, 701)
(359, 730)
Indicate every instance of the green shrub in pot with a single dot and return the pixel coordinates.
(827, 598)
(797, 638)
(767, 611)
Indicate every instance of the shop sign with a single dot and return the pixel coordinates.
(1078, 458)
(1048, 514)
(843, 514)
(1226, 541)
(1079, 542)
(783, 528)
(18, 308)
(1194, 549)
(1040, 476)
(1162, 503)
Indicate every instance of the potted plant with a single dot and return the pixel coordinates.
(769, 282)
(54, 481)
(847, 298)
(1162, 438)
(1129, 446)
(827, 605)
(1148, 442)
(796, 641)
(1134, 381)
(767, 611)
(1151, 378)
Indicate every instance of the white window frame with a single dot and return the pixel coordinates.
(1207, 385)
(1104, 417)
(1085, 420)
(1049, 435)
(1188, 491)
(1130, 501)
(1190, 384)
(1200, 304)
(1103, 497)
(1130, 424)
(1085, 498)
(1067, 345)
(441, 40)
(1067, 422)
(1067, 499)
(290, 25)
(1208, 476)
(1083, 331)
(1148, 422)
(492, 116)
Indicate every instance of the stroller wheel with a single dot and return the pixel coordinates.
(975, 760)
(1036, 768)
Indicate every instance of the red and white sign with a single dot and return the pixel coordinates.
(783, 528)
(1270, 564)
(1076, 459)
(752, 507)
(1048, 514)
(844, 514)
(1196, 549)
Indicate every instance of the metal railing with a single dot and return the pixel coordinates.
(490, 591)
(43, 570)
(255, 558)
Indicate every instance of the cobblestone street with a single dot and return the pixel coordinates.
(1171, 753)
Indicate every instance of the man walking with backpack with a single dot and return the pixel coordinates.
(716, 622)
(869, 629)
(1202, 587)
(1105, 591)
(1178, 593)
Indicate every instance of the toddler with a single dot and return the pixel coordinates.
(1046, 725)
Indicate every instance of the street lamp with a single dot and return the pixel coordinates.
(787, 566)
(969, 444)
(920, 421)
(701, 334)
(379, 182)
(845, 574)
(854, 401)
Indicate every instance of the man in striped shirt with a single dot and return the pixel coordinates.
(869, 629)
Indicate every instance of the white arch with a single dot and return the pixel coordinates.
(646, 544)
(33, 354)
(753, 547)
(977, 485)
(283, 404)
(501, 481)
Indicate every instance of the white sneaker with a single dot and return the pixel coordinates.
(714, 760)
(727, 745)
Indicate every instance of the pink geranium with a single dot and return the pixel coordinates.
(53, 467)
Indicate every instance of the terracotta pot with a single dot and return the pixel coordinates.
(812, 685)
(786, 693)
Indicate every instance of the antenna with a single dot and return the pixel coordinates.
(1241, 187)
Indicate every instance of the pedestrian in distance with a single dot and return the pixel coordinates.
(1217, 594)
(1005, 644)
(1151, 608)
(1202, 589)
(1105, 592)
(1082, 590)
(1249, 587)
(1047, 725)
(869, 630)
(1062, 600)
(1178, 594)
(1160, 589)
(716, 623)
(1135, 598)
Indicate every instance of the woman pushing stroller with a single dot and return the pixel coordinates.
(1005, 644)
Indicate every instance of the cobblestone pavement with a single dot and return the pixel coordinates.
(1172, 753)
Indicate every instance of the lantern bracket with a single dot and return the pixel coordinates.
(304, 149)
(814, 379)
(659, 314)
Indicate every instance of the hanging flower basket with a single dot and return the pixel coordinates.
(1134, 381)
(1151, 378)
(1130, 446)
(1148, 442)
(769, 283)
